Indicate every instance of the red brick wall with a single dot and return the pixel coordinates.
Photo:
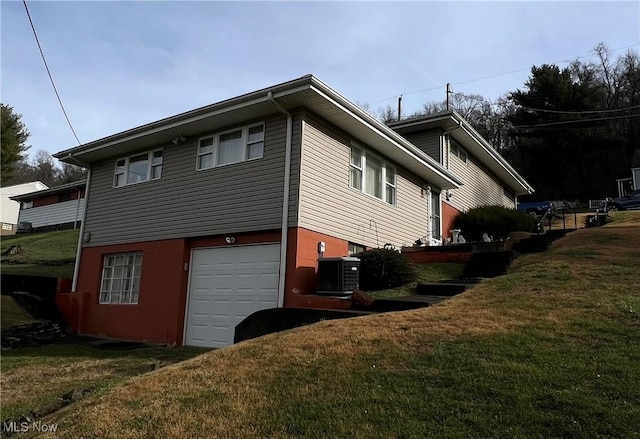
(45, 200)
(448, 215)
(302, 266)
(54, 198)
(159, 315)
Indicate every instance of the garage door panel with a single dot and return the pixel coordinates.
(228, 284)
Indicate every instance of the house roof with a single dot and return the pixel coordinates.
(54, 190)
(307, 91)
(9, 209)
(451, 121)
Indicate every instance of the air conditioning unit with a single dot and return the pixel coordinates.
(338, 276)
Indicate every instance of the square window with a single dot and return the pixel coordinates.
(120, 281)
(246, 143)
(372, 175)
(138, 168)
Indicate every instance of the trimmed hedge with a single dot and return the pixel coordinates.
(495, 221)
(381, 269)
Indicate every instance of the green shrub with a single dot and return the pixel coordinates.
(495, 221)
(381, 269)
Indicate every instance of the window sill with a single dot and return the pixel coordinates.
(373, 197)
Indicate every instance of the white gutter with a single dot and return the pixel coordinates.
(395, 139)
(76, 267)
(497, 157)
(285, 202)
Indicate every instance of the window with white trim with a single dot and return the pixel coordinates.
(458, 150)
(436, 232)
(372, 175)
(354, 249)
(138, 168)
(234, 146)
(121, 278)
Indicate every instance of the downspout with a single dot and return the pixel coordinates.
(76, 267)
(75, 223)
(285, 202)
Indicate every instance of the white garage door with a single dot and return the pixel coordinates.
(227, 284)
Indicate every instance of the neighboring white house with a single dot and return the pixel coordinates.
(57, 208)
(10, 209)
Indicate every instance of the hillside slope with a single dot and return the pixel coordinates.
(41, 254)
(550, 350)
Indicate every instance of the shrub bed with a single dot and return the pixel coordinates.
(495, 221)
(381, 269)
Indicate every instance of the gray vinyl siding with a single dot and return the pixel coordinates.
(329, 205)
(481, 187)
(235, 198)
(427, 141)
(53, 214)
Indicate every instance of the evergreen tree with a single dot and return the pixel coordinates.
(14, 137)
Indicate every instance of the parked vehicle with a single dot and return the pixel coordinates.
(537, 208)
(629, 202)
(24, 227)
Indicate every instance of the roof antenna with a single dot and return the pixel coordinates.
(399, 106)
(449, 91)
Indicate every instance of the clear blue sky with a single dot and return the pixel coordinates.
(118, 65)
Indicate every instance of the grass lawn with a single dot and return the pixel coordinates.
(36, 377)
(550, 350)
(12, 313)
(434, 272)
(42, 254)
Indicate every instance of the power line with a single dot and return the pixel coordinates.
(493, 76)
(581, 112)
(49, 72)
(628, 116)
(542, 110)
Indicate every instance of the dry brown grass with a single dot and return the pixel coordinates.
(12, 313)
(23, 386)
(228, 393)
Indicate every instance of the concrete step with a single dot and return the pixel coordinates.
(555, 234)
(534, 244)
(484, 273)
(492, 256)
(403, 303)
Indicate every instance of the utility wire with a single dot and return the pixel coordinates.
(49, 72)
(494, 104)
(494, 76)
(628, 116)
(580, 112)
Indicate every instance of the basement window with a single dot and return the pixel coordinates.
(354, 249)
(121, 278)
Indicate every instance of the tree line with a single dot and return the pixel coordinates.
(571, 132)
(16, 166)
